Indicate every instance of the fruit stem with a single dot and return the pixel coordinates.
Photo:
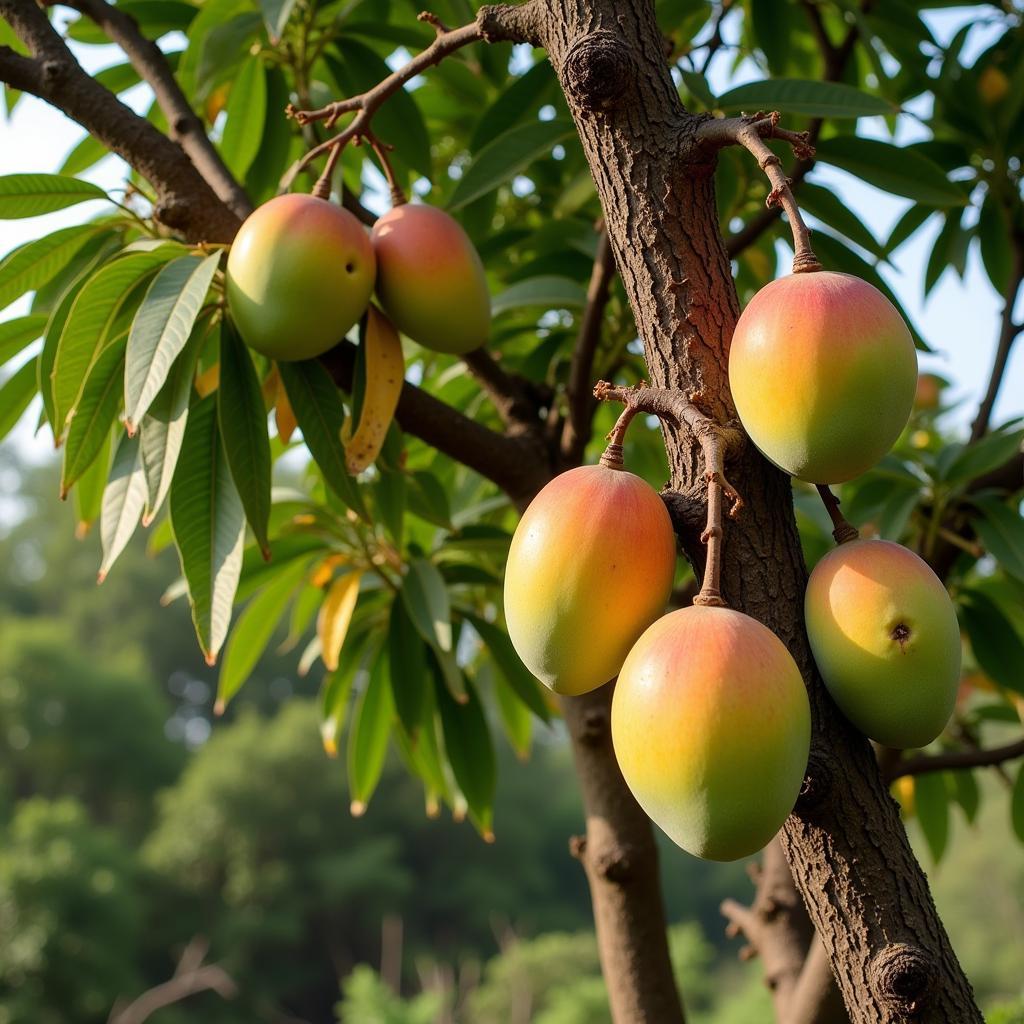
(322, 188)
(842, 531)
(398, 196)
(612, 457)
(714, 466)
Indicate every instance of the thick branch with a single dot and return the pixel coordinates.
(516, 464)
(750, 132)
(1008, 331)
(510, 393)
(185, 201)
(185, 127)
(951, 760)
(576, 432)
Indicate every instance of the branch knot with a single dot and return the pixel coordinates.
(903, 977)
(599, 70)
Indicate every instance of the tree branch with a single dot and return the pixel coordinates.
(517, 464)
(185, 201)
(576, 431)
(509, 392)
(750, 132)
(185, 127)
(951, 760)
(1008, 331)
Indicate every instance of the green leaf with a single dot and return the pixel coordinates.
(824, 204)
(163, 428)
(997, 647)
(222, 47)
(209, 527)
(522, 97)
(515, 715)
(368, 738)
(906, 226)
(407, 667)
(984, 455)
(33, 264)
(103, 300)
(697, 86)
(275, 16)
(550, 292)
(1017, 805)
(29, 195)
(515, 673)
(319, 412)
(428, 499)
(335, 691)
(398, 120)
(123, 501)
(15, 395)
(426, 599)
(1001, 532)
(931, 804)
(243, 427)
(390, 491)
(804, 96)
(161, 328)
(16, 334)
(771, 31)
(966, 792)
(467, 742)
(94, 416)
(246, 116)
(88, 492)
(995, 239)
(902, 171)
(88, 152)
(253, 631)
(504, 157)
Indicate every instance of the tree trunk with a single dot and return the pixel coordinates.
(850, 857)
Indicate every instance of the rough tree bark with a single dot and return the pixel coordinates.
(848, 851)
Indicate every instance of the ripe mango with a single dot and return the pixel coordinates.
(885, 636)
(430, 280)
(589, 569)
(712, 727)
(300, 273)
(823, 373)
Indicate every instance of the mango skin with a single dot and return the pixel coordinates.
(823, 372)
(430, 280)
(300, 273)
(590, 568)
(898, 686)
(712, 728)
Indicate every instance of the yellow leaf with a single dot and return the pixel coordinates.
(284, 418)
(335, 615)
(208, 381)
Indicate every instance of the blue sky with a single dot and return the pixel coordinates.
(960, 319)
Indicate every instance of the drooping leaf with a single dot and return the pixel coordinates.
(123, 501)
(467, 742)
(29, 195)
(335, 692)
(548, 292)
(16, 393)
(253, 630)
(771, 30)
(967, 793)
(995, 239)
(246, 116)
(504, 157)
(997, 647)
(35, 263)
(368, 738)
(803, 96)
(275, 16)
(426, 600)
(902, 171)
(407, 667)
(209, 527)
(94, 415)
(243, 428)
(824, 204)
(87, 153)
(335, 617)
(518, 677)
(103, 300)
(163, 428)
(16, 334)
(87, 493)
(1017, 805)
(984, 455)
(515, 715)
(320, 414)
(1001, 532)
(161, 328)
(931, 804)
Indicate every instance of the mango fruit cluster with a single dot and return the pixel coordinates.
(302, 270)
(710, 718)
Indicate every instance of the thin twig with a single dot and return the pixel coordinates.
(576, 430)
(842, 530)
(714, 439)
(750, 132)
(365, 105)
(952, 760)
